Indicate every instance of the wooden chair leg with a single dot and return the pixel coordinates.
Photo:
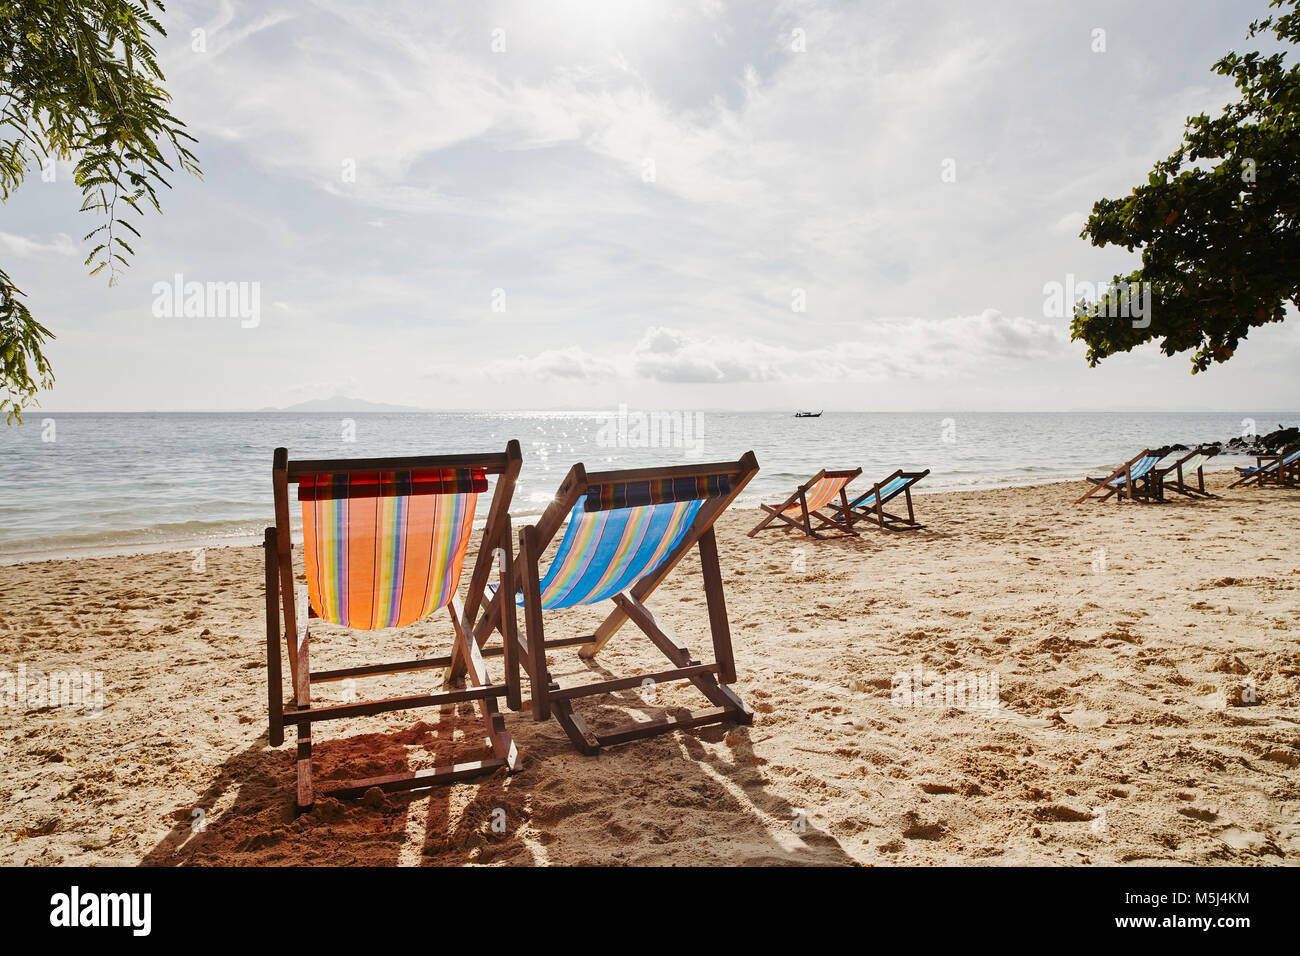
(807, 522)
(306, 796)
(274, 678)
(719, 626)
(576, 729)
(509, 620)
(774, 512)
(539, 679)
(503, 744)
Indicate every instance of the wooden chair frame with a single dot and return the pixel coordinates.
(1151, 495)
(548, 697)
(1289, 475)
(803, 522)
(495, 545)
(1179, 482)
(876, 513)
(1270, 470)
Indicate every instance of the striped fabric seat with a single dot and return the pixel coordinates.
(385, 549)
(820, 494)
(605, 551)
(886, 492)
(1186, 475)
(1190, 465)
(1140, 468)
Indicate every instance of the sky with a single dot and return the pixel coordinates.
(689, 205)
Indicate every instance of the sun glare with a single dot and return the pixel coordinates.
(623, 21)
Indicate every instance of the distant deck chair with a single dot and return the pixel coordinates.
(1176, 477)
(798, 511)
(870, 506)
(384, 541)
(1130, 480)
(626, 532)
(1279, 468)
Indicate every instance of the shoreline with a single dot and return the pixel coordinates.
(115, 549)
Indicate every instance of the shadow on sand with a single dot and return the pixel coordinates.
(666, 799)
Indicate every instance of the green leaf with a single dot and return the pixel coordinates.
(1219, 252)
(81, 77)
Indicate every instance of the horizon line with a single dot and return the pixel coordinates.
(1128, 410)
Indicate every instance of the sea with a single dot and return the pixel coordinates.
(86, 484)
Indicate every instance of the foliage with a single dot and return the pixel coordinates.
(1216, 221)
(79, 80)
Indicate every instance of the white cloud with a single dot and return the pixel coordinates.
(1071, 224)
(572, 365)
(900, 347)
(526, 170)
(668, 355)
(28, 248)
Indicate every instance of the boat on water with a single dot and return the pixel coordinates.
(808, 414)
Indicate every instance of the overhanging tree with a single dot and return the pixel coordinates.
(1216, 221)
(79, 79)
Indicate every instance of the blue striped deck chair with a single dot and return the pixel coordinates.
(1177, 477)
(1280, 468)
(798, 512)
(870, 506)
(384, 544)
(626, 531)
(1130, 480)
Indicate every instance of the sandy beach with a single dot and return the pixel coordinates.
(1145, 658)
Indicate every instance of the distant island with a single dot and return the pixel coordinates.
(340, 403)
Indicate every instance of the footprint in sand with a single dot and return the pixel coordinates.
(1240, 839)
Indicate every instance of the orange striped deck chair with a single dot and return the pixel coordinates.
(383, 545)
(799, 510)
(626, 531)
